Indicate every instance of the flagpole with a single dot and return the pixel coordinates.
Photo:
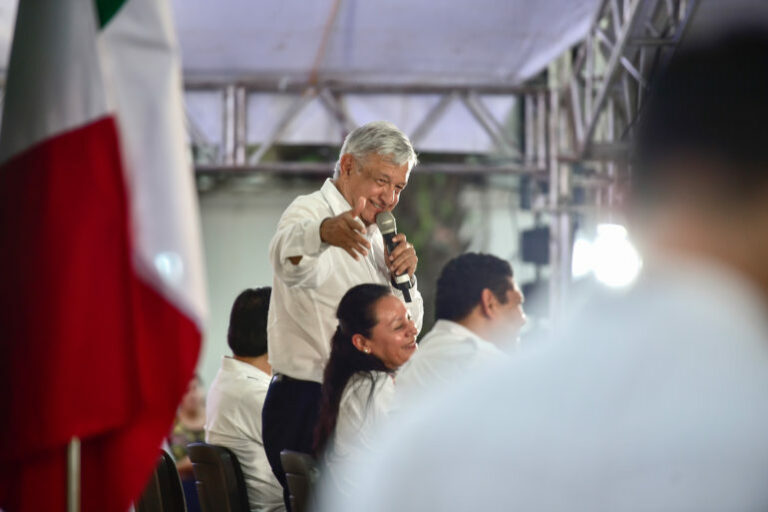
(73, 475)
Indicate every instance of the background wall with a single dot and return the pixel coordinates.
(238, 221)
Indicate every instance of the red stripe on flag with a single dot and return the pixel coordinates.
(88, 348)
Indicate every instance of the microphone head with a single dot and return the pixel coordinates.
(386, 223)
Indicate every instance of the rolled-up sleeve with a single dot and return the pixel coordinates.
(298, 234)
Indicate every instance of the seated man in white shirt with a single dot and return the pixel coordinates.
(237, 395)
(478, 308)
(326, 243)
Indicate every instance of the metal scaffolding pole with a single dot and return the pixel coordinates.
(73, 475)
(326, 168)
(234, 114)
(560, 241)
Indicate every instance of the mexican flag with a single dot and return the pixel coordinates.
(101, 274)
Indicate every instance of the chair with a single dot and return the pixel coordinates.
(219, 479)
(301, 472)
(163, 492)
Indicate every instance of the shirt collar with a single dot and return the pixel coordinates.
(456, 329)
(232, 365)
(333, 196)
(338, 202)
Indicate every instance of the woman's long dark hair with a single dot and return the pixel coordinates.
(356, 314)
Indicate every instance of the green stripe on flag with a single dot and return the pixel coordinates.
(107, 9)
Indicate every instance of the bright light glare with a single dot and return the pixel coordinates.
(170, 267)
(583, 254)
(611, 257)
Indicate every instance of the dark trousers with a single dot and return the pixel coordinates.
(288, 421)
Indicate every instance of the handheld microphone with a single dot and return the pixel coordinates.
(388, 228)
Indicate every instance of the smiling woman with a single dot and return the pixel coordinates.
(374, 338)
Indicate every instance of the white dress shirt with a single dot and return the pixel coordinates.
(448, 352)
(655, 400)
(302, 312)
(233, 420)
(364, 406)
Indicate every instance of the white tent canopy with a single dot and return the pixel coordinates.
(477, 42)
(275, 46)
(396, 44)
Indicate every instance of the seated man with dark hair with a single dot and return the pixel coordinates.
(478, 306)
(237, 396)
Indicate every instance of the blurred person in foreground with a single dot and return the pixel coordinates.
(326, 243)
(479, 311)
(188, 427)
(375, 336)
(236, 398)
(654, 399)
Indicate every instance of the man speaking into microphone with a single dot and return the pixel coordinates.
(326, 243)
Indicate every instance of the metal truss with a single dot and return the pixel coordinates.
(590, 119)
(526, 154)
(627, 42)
(592, 116)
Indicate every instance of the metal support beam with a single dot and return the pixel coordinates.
(432, 117)
(578, 118)
(560, 223)
(241, 124)
(491, 126)
(228, 124)
(332, 96)
(234, 124)
(293, 110)
(195, 132)
(610, 75)
(633, 71)
(541, 130)
(334, 107)
(641, 35)
(326, 168)
(281, 83)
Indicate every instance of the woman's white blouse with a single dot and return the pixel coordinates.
(360, 412)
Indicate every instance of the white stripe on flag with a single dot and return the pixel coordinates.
(143, 73)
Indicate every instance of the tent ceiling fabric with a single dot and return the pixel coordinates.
(392, 41)
(484, 42)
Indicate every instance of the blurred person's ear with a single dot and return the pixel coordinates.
(488, 303)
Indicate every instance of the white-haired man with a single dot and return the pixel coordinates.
(327, 242)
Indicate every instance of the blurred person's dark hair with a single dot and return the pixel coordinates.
(703, 127)
(356, 315)
(247, 335)
(462, 281)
